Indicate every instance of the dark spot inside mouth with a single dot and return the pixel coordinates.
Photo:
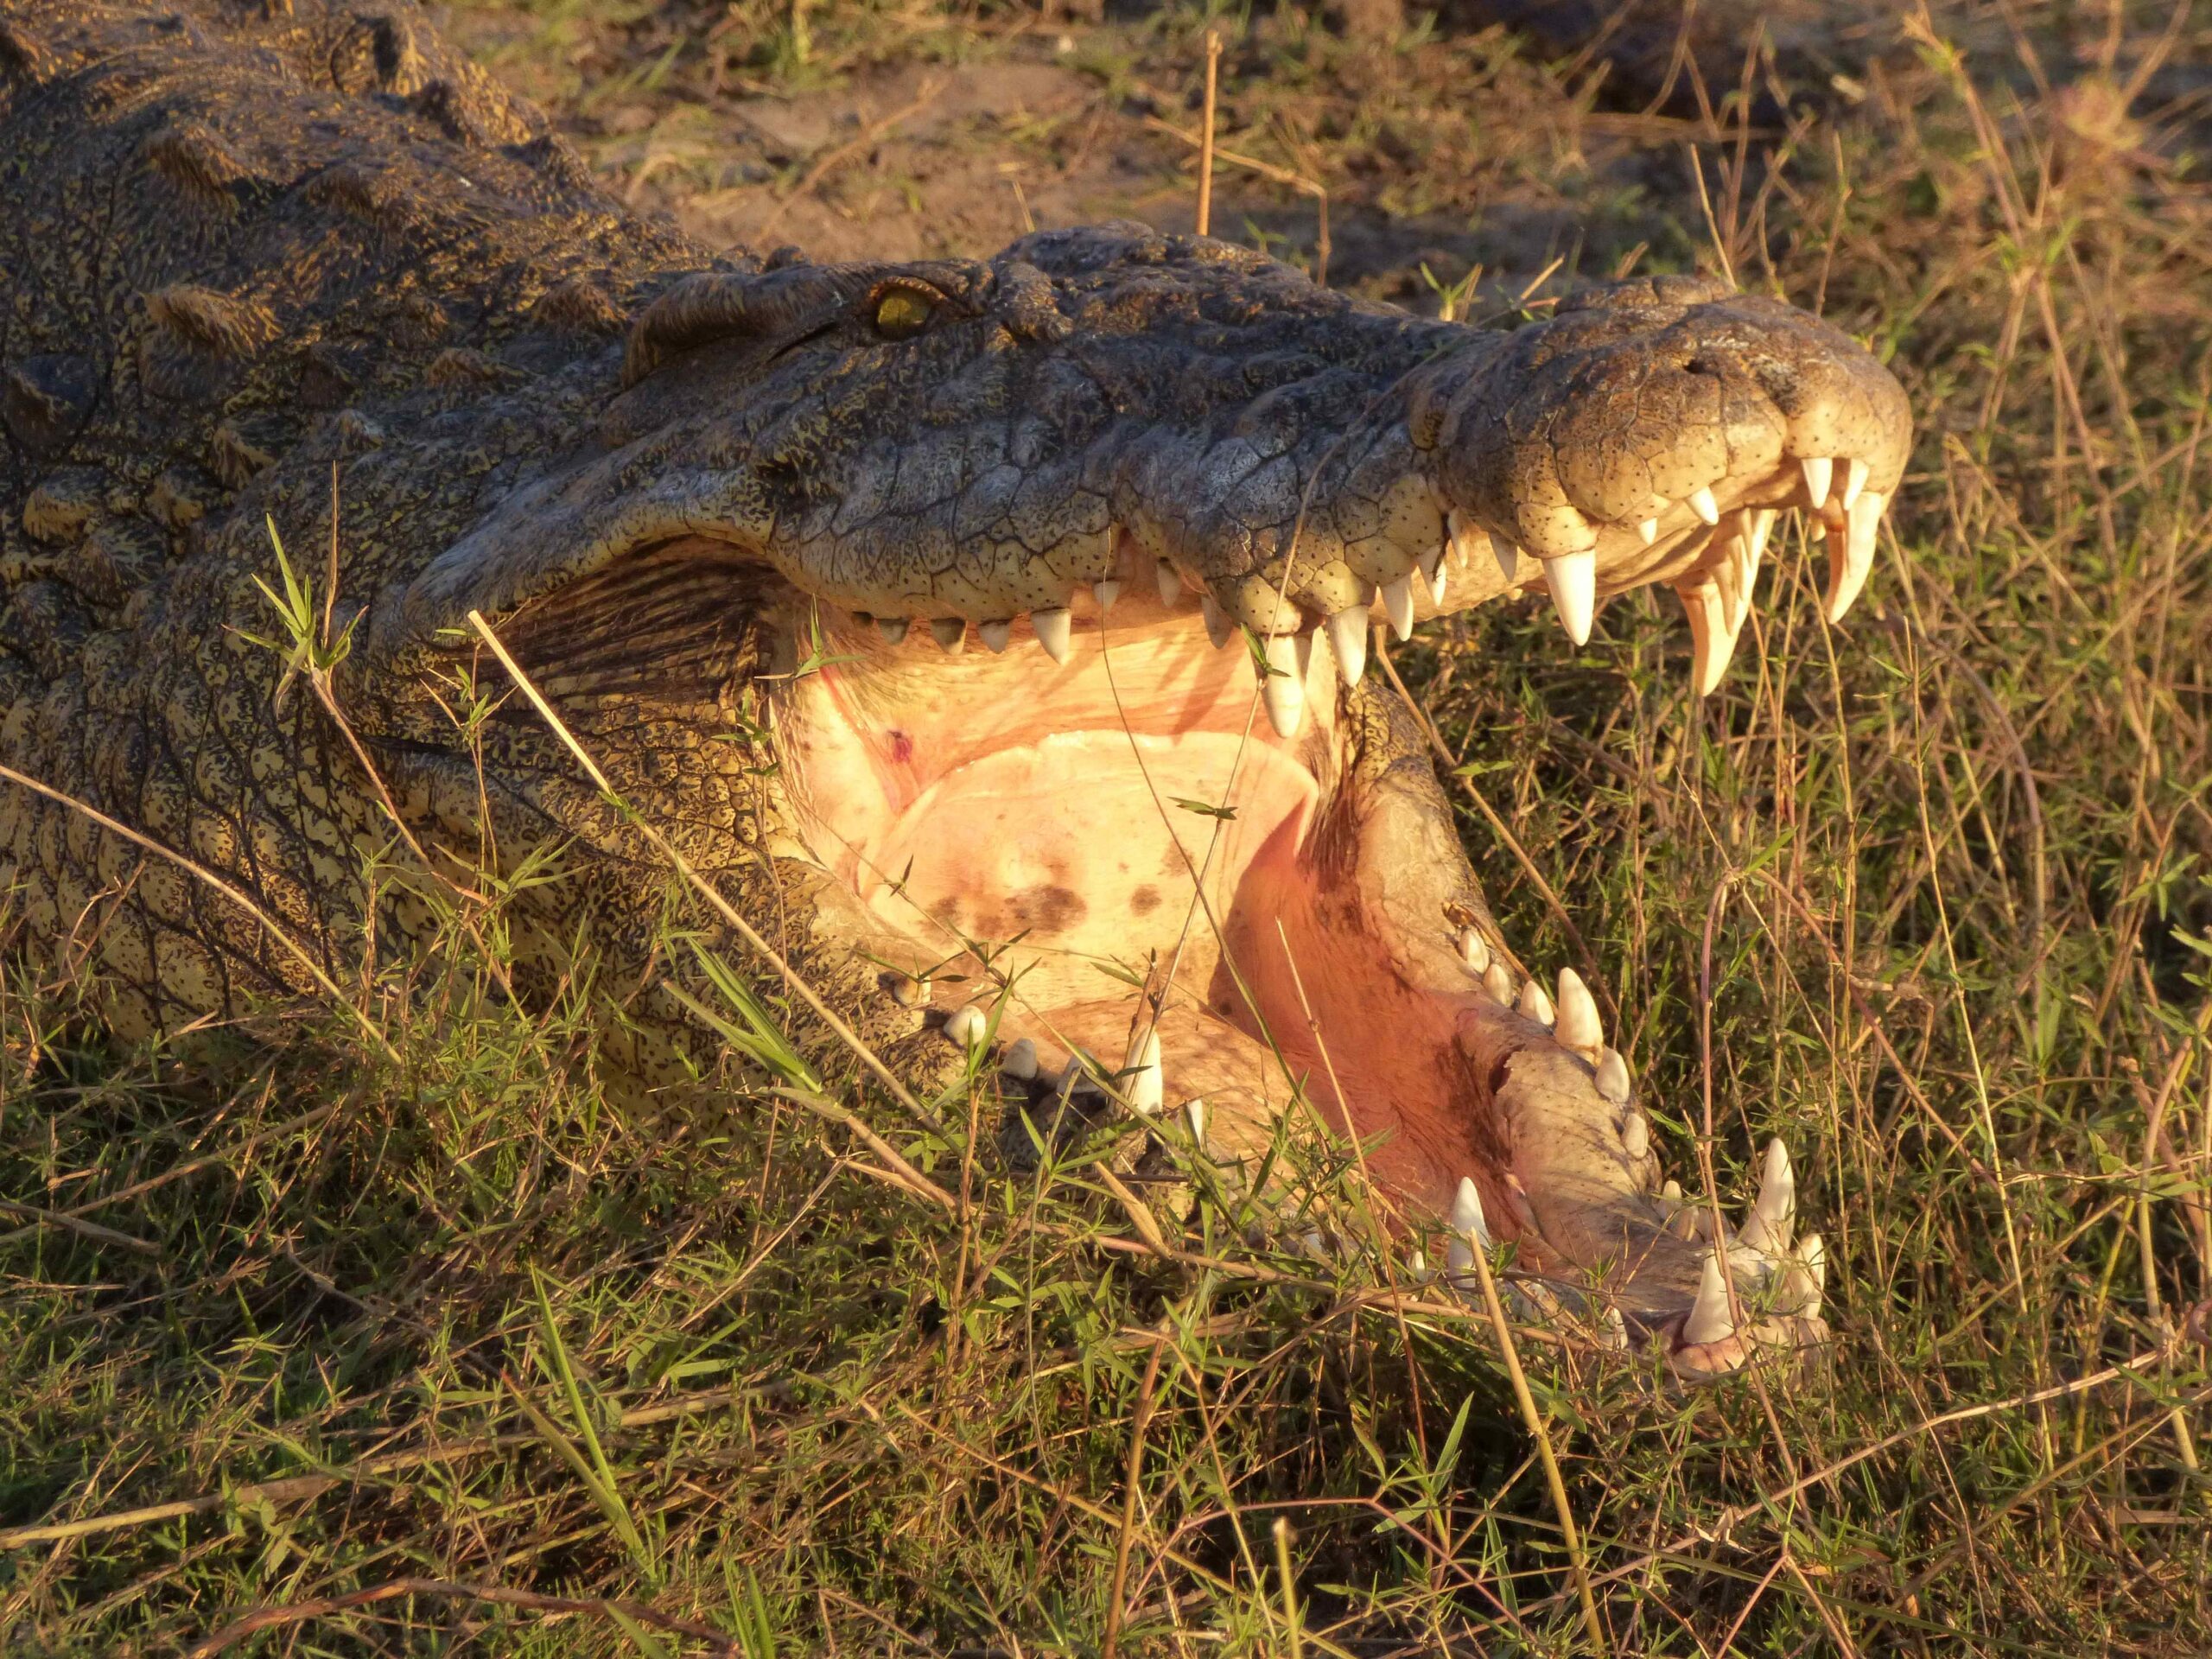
(902, 748)
(1052, 908)
(1144, 900)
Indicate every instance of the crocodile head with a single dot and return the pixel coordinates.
(1066, 566)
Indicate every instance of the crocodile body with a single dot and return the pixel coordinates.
(857, 580)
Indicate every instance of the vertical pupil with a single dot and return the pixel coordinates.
(900, 313)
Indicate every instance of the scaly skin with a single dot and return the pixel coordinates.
(251, 259)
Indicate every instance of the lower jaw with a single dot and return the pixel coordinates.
(1316, 944)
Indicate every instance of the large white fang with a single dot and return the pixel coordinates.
(1535, 1005)
(1165, 578)
(1767, 1227)
(1498, 980)
(1284, 689)
(1053, 628)
(1431, 570)
(1820, 472)
(1708, 1319)
(1579, 1027)
(1572, 579)
(1849, 567)
(1105, 593)
(1713, 640)
(1855, 474)
(1348, 638)
(1814, 1256)
(1142, 1084)
(1467, 1219)
(1474, 950)
(1706, 508)
(1398, 605)
(1612, 1081)
(1649, 530)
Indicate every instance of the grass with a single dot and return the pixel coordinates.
(455, 1348)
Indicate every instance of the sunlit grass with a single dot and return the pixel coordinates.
(523, 1361)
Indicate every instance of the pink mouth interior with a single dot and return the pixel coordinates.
(1048, 813)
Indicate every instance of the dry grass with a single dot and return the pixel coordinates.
(455, 1354)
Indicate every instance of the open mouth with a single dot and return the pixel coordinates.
(1197, 885)
(1059, 579)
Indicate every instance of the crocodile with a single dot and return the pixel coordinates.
(991, 637)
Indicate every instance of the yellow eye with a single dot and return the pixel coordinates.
(900, 314)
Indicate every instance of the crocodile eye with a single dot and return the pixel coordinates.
(900, 313)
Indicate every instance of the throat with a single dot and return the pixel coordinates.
(1079, 824)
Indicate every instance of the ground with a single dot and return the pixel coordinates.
(432, 1344)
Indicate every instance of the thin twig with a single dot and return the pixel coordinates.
(1529, 1415)
(1143, 1421)
(1205, 133)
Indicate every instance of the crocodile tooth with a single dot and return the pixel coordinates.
(1020, 1061)
(1572, 579)
(1650, 531)
(1218, 627)
(1767, 1227)
(1855, 474)
(893, 628)
(1535, 1005)
(1141, 1083)
(1105, 593)
(1762, 526)
(1053, 629)
(1847, 572)
(1579, 1027)
(1459, 531)
(1474, 950)
(1165, 577)
(1636, 1134)
(966, 1026)
(1713, 642)
(1431, 570)
(1348, 638)
(1398, 605)
(1671, 1195)
(1708, 1319)
(1283, 691)
(1819, 471)
(995, 634)
(1703, 505)
(1507, 555)
(1613, 1078)
(1498, 980)
(1467, 1217)
(1814, 1255)
(951, 632)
